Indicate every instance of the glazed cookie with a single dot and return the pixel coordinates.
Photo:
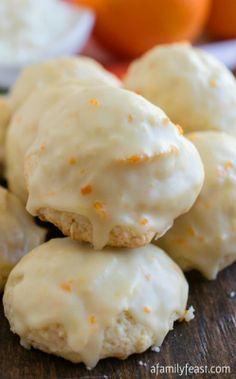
(192, 87)
(84, 305)
(85, 71)
(18, 233)
(108, 167)
(25, 123)
(4, 121)
(205, 237)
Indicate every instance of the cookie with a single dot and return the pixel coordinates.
(23, 130)
(83, 305)
(18, 233)
(110, 168)
(191, 86)
(85, 71)
(205, 238)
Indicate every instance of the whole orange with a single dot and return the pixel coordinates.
(131, 27)
(89, 3)
(223, 18)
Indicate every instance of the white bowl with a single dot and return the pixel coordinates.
(71, 43)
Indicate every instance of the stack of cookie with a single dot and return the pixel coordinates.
(113, 172)
(23, 109)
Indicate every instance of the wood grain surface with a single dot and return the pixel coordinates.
(209, 340)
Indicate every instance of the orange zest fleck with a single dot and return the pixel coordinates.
(228, 165)
(100, 208)
(191, 231)
(130, 118)
(86, 190)
(138, 158)
(94, 102)
(92, 320)
(42, 147)
(166, 121)
(72, 161)
(147, 309)
(135, 158)
(179, 129)
(144, 158)
(206, 204)
(66, 286)
(98, 205)
(143, 221)
(213, 83)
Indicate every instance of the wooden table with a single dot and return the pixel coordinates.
(209, 339)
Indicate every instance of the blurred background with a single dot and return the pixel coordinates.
(112, 31)
(126, 29)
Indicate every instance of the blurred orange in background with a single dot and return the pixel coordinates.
(222, 21)
(89, 3)
(131, 27)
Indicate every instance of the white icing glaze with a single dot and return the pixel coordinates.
(23, 130)
(84, 71)
(18, 233)
(191, 86)
(65, 283)
(110, 155)
(205, 237)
